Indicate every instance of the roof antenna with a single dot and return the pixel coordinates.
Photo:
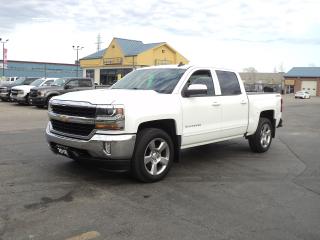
(180, 64)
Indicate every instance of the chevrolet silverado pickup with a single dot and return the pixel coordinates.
(40, 96)
(21, 93)
(5, 89)
(143, 121)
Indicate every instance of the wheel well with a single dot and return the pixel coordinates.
(270, 115)
(169, 126)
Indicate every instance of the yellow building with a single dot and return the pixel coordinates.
(123, 55)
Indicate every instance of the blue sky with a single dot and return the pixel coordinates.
(231, 34)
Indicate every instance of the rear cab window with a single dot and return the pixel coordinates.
(85, 83)
(229, 83)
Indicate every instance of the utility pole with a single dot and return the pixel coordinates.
(77, 48)
(98, 42)
(3, 42)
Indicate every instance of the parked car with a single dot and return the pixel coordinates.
(21, 93)
(302, 94)
(5, 89)
(40, 96)
(144, 120)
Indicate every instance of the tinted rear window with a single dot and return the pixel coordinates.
(229, 83)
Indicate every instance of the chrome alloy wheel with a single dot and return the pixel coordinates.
(265, 134)
(156, 156)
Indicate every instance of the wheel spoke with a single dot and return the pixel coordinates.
(162, 146)
(154, 169)
(147, 159)
(164, 161)
(152, 145)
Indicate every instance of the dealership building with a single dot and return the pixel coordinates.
(39, 69)
(303, 78)
(123, 55)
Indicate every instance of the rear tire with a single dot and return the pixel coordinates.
(153, 155)
(261, 140)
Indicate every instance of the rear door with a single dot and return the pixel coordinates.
(234, 104)
(85, 84)
(201, 115)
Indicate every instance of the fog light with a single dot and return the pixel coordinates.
(107, 148)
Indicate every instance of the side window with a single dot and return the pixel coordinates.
(229, 83)
(202, 77)
(73, 83)
(85, 83)
(48, 83)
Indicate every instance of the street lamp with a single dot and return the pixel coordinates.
(77, 48)
(3, 42)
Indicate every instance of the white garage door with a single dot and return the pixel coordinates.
(310, 86)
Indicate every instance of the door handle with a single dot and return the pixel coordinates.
(243, 102)
(214, 104)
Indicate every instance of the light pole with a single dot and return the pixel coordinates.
(3, 42)
(77, 48)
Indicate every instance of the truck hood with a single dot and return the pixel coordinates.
(116, 96)
(23, 87)
(50, 88)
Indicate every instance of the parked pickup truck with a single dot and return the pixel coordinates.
(145, 119)
(5, 88)
(40, 96)
(21, 93)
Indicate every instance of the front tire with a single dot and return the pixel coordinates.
(261, 140)
(153, 155)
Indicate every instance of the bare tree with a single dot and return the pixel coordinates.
(250, 70)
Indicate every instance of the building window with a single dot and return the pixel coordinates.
(110, 76)
(90, 73)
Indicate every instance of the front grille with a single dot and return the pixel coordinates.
(3, 89)
(33, 93)
(79, 111)
(72, 128)
(14, 92)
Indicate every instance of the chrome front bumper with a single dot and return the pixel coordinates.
(121, 146)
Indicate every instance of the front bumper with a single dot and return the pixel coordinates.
(17, 98)
(38, 101)
(122, 147)
(5, 95)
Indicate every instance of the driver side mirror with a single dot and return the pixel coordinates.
(67, 86)
(196, 89)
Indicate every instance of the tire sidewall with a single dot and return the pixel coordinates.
(143, 139)
(262, 122)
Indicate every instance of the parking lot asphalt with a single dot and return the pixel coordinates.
(217, 191)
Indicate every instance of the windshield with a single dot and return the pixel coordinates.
(58, 82)
(161, 80)
(37, 82)
(19, 80)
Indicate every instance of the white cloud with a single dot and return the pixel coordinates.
(232, 33)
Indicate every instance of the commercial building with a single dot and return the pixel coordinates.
(258, 82)
(123, 55)
(39, 69)
(303, 78)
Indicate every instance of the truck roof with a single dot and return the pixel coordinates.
(186, 66)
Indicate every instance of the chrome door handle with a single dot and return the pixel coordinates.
(243, 102)
(215, 104)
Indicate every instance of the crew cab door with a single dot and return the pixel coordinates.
(201, 116)
(234, 104)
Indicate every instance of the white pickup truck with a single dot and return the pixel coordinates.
(146, 118)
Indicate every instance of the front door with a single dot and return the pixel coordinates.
(201, 114)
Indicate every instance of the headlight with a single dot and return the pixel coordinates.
(110, 118)
(41, 93)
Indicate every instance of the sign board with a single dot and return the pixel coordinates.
(289, 82)
(5, 56)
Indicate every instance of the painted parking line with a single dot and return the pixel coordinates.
(85, 236)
